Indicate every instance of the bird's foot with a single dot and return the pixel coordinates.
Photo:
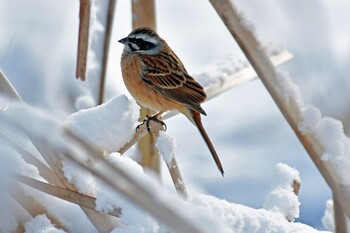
(147, 120)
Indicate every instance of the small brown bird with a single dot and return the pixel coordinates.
(158, 80)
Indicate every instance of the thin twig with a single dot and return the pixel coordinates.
(140, 133)
(7, 89)
(106, 45)
(177, 178)
(296, 187)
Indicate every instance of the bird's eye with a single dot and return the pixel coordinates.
(142, 44)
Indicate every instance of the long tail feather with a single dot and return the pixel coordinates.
(196, 119)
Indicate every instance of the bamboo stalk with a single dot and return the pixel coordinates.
(264, 68)
(83, 40)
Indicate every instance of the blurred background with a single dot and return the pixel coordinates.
(38, 48)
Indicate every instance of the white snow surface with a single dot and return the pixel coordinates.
(242, 219)
(328, 217)
(110, 125)
(39, 61)
(206, 210)
(281, 198)
(133, 218)
(41, 224)
(231, 217)
(166, 145)
(328, 131)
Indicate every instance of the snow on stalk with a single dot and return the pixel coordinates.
(279, 86)
(166, 146)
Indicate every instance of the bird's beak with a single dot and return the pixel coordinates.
(124, 40)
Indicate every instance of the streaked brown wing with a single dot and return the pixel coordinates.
(166, 74)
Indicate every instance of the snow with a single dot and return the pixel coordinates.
(239, 218)
(282, 198)
(133, 219)
(41, 224)
(286, 88)
(13, 163)
(84, 101)
(251, 136)
(110, 125)
(330, 133)
(166, 145)
(328, 217)
(205, 211)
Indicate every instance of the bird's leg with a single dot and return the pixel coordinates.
(143, 122)
(156, 119)
(152, 118)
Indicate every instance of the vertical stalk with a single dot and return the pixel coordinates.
(106, 45)
(143, 14)
(83, 40)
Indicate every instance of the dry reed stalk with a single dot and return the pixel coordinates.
(106, 45)
(340, 219)
(143, 14)
(132, 188)
(177, 178)
(102, 222)
(265, 70)
(32, 206)
(62, 193)
(83, 40)
(44, 170)
(7, 89)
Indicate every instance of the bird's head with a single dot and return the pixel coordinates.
(143, 40)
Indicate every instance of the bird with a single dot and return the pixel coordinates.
(158, 80)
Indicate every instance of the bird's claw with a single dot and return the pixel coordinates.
(147, 121)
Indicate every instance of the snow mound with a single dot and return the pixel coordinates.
(243, 219)
(282, 198)
(166, 145)
(328, 217)
(110, 125)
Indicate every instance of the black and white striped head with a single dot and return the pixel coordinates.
(142, 40)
